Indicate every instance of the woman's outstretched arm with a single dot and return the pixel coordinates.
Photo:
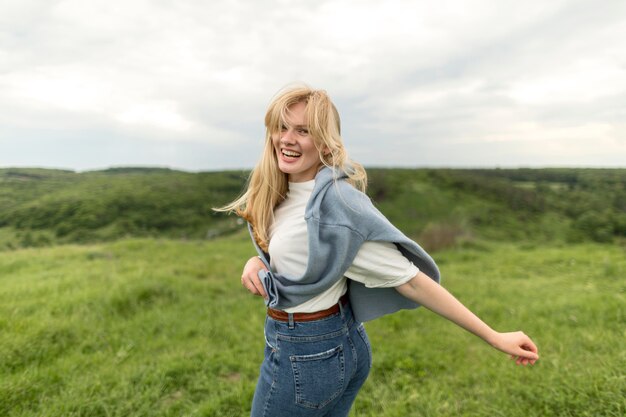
(434, 297)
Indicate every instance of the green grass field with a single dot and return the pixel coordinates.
(156, 327)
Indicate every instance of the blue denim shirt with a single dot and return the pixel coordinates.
(339, 219)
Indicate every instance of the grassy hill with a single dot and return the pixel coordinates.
(440, 207)
(147, 317)
(160, 327)
(41, 207)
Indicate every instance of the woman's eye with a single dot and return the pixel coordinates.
(303, 131)
(283, 128)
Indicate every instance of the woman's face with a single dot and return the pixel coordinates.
(295, 150)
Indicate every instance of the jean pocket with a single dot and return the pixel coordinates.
(318, 378)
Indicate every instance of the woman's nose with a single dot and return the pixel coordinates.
(287, 137)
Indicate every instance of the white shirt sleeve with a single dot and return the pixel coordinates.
(380, 264)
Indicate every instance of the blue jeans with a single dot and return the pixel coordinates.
(313, 368)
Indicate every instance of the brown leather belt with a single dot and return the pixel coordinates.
(283, 316)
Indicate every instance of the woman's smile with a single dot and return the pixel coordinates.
(290, 155)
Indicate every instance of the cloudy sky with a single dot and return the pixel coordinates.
(185, 83)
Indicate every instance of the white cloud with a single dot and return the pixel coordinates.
(582, 83)
(58, 88)
(412, 72)
(160, 114)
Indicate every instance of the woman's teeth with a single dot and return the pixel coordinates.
(291, 154)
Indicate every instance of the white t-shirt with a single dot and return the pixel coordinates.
(377, 264)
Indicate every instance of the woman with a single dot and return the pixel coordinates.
(328, 260)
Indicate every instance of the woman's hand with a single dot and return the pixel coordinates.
(250, 276)
(518, 345)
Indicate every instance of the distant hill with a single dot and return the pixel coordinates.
(39, 206)
(441, 207)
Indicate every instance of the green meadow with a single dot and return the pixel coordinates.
(143, 313)
(157, 327)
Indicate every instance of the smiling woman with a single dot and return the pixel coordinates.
(303, 134)
(296, 152)
(328, 260)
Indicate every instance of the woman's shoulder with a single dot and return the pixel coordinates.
(344, 190)
(345, 204)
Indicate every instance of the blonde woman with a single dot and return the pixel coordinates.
(328, 260)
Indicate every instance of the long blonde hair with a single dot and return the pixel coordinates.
(267, 186)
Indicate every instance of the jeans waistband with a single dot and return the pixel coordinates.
(280, 315)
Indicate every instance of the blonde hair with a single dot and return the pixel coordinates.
(267, 186)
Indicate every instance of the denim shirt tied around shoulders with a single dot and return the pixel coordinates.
(339, 219)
